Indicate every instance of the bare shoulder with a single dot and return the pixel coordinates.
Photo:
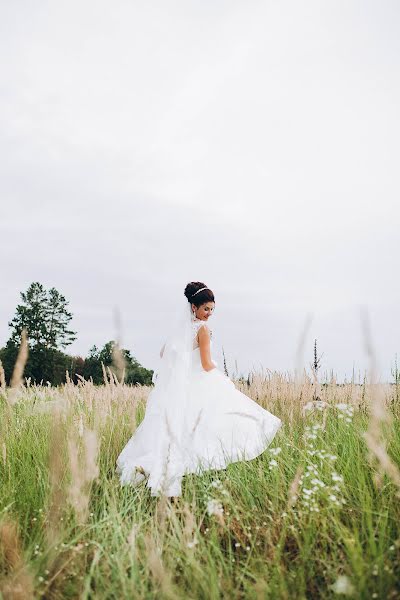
(204, 333)
(204, 329)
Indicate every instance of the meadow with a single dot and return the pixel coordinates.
(315, 516)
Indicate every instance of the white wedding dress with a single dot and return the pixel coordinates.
(220, 425)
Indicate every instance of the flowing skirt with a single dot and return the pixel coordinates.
(221, 426)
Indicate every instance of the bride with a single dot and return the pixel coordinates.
(195, 417)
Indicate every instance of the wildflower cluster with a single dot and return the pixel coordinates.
(217, 485)
(314, 487)
(214, 507)
(273, 463)
(214, 504)
(346, 411)
(315, 405)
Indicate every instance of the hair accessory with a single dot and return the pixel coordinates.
(200, 290)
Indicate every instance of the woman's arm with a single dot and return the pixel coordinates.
(162, 351)
(205, 351)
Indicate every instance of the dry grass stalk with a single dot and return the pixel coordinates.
(190, 525)
(157, 569)
(56, 473)
(18, 582)
(168, 475)
(119, 362)
(384, 460)
(83, 472)
(10, 544)
(132, 539)
(161, 513)
(16, 379)
(105, 377)
(294, 487)
(113, 377)
(189, 538)
(324, 420)
(379, 415)
(261, 589)
(2, 377)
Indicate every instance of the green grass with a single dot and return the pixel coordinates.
(132, 545)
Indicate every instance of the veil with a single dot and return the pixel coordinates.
(167, 403)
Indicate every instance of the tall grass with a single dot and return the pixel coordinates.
(315, 516)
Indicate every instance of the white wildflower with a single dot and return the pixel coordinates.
(214, 508)
(318, 404)
(342, 406)
(275, 451)
(318, 482)
(311, 469)
(216, 483)
(343, 586)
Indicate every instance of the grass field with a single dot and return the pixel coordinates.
(315, 516)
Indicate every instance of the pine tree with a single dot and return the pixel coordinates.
(46, 318)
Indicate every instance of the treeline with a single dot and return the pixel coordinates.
(45, 317)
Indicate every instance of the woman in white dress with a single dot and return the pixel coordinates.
(195, 417)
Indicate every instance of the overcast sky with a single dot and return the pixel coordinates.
(250, 145)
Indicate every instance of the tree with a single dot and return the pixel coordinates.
(45, 316)
(134, 372)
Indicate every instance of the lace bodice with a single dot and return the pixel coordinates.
(195, 327)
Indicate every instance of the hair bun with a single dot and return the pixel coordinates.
(206, 295)
(192, 288)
